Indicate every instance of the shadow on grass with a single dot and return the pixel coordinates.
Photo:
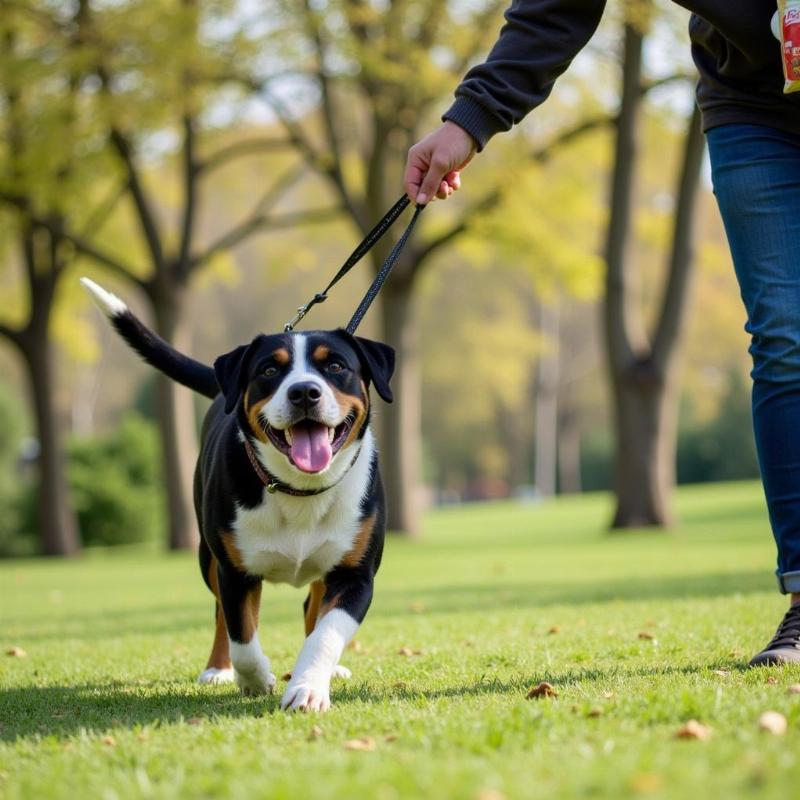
(62, 711)
(495, 596)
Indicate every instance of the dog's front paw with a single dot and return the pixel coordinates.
(216, 677)
(257, 681)
(308, 693)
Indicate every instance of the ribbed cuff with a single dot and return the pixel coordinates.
(476, 120)
(789, 582)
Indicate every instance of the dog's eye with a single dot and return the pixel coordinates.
(270, 372)
(335, 366)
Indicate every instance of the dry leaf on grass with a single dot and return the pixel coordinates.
(554, 629)
(287, 676)
(723, 673)
(399, 685)
(693, 730)
(355, 646)
(793, 689)
(194, 721)
(416, 607)
(390, 737)
(595, 712)
(315, 733)
(650, 637)
(109, 740)
(772, 680)
(16, 652)
(773, 722)
(544, 689)
(408, 652)
(490, 794)
(363, 743)
(607, 695)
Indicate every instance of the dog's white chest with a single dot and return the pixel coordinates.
(295, 540)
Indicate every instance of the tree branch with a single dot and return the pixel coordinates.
(264, 222)
(13, 335)
(245, 147)
(189, 193)
(673, 308)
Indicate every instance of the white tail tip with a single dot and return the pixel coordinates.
(108, 303)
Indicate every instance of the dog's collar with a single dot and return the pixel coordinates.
(274, 485)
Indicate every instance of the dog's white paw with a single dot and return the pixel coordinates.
(341, 672)
(216, 677)
(257, 681)
(308, 693)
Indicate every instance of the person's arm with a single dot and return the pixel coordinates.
(537, 44)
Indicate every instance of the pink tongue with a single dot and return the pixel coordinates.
(311, 450)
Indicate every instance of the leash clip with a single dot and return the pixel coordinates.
(301, 312)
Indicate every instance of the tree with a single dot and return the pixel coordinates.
(380, 75)
(642, 368)
(132, 100)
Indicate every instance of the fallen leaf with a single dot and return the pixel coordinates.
(554, 629)
(400, 685)
(646, 783)
(647, 635)
(490, 794)
(544, 689)
(194, 721)
(607, 695)
(793, 689)
(693, 730)
(408, 652)
(355, 646)
(142, 737)
(595, 712)
(315, 733)
(416, 607)
(773, 722)
(772, 680)
(723, 673)
(16, 652)
(363, 744)
(390, 737)
(109, 740)
(287, 676)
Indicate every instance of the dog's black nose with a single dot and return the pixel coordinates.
(304, 394)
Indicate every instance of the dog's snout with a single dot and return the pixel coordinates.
(304, 394)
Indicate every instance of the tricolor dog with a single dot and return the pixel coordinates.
(287, 490)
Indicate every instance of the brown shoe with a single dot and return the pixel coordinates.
(785, 645)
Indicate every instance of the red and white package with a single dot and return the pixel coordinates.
(789, 34)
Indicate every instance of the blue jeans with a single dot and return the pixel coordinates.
(756, 176)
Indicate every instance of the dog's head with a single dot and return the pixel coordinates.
(305, 394)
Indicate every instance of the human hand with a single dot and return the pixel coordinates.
(434, 163)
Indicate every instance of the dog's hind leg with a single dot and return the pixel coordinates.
(219, 668)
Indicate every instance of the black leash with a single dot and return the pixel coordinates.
(366, 245)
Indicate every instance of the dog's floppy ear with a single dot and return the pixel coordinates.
(377, 361)
(231, 371)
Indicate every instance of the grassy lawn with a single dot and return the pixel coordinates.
(496, 597)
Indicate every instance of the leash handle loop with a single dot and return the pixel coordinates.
(363, 248)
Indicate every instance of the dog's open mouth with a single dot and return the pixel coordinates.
(310, 445)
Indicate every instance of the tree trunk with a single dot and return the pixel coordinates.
(58, 528)
(545, 443)
(569, 451)
(645, 420)
(176, 422)
(400, 426)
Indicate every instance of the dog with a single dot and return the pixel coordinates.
(287, 489)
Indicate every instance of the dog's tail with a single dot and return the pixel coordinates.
(153, 349)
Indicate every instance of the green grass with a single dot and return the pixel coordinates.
(115, 641)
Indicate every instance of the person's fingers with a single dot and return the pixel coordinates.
(430, 183)
(453, 179)
(416, 169)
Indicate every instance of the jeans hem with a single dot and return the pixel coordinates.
(789, 582)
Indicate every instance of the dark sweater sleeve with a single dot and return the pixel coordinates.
(537, 43)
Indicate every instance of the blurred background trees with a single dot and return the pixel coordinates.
(213, 161)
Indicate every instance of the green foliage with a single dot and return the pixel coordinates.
(106, 702)
(115, 485)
